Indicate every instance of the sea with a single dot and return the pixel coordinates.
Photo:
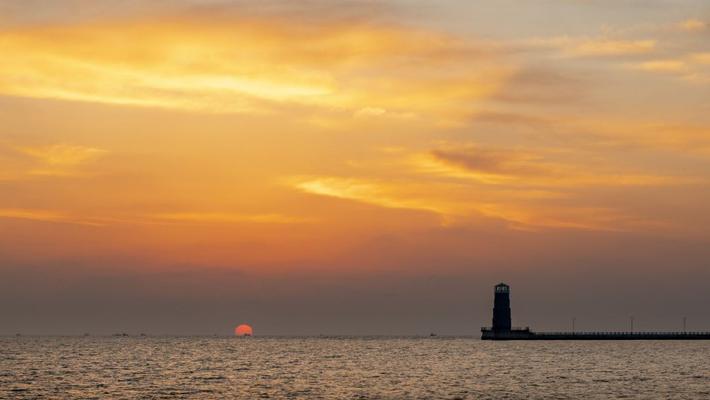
(151, 367)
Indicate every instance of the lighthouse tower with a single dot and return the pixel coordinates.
(502, 329)
(501, 309)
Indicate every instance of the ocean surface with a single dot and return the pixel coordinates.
(349, 368)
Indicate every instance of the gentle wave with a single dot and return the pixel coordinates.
(349, 368)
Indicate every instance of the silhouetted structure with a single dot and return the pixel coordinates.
(501, 308)
(502, 328)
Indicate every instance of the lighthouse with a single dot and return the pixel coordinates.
(502, 328)
(501, 309)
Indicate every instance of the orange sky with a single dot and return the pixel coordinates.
(281, 139)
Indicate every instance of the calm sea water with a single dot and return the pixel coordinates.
(349, 368)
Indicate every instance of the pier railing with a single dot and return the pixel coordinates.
(514, 328)
(526, 334)
(620, 333)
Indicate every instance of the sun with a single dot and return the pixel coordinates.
(243, 330)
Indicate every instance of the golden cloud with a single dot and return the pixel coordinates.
(529, 168)
(62, 154)
(45, 216)
(60, 159)
(591, 47)
(457, 204)
(693, 25)
(194, 217)
(663, 66)
(366, 191)
(701, 58)
(248, 64)
(692, 67)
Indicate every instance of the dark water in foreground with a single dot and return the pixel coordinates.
(349, 368)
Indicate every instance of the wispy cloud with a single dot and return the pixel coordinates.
(594, 46)
(457, 204)
(693, 25)
(528, 188)
(366, 191)
(46, 216)
(195, 217)
(529, 168)
(124, 218)
(693, 67)
(701, 58)
(662, 66)
(254, 64)
(60, 159)
(62, 154)
(492, 161)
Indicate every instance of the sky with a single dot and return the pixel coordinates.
(353, 167)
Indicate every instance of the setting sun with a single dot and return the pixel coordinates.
(243, 330)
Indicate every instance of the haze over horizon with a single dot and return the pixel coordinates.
(365, 167)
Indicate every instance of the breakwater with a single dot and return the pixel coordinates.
(502, 329)
(526, 334)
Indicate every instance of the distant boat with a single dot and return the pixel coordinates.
(432, 334)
